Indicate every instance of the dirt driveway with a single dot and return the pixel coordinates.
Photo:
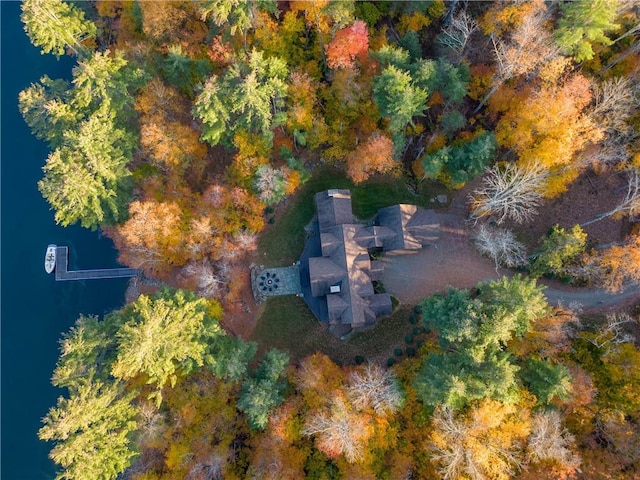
(451, 261)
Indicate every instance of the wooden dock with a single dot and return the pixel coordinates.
(63, 274)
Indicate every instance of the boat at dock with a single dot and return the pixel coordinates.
(50, 258)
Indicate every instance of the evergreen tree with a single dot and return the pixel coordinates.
(86, 179)
(55, 25)
(456, 165)
(47, 110)
(86, 352)
(398, 98)
(584, 22)
(263, 392)
(249, 96)
(559, 249)
(546, 380)
(457, 379)
(166, 336)
(519, 297)
(92, 432)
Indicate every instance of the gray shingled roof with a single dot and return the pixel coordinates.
(333, 208)
(345, 264)
(414, 227)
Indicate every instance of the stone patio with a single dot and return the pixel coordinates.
(271, 282)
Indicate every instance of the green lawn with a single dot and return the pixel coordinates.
(286, 323)
(281, 243)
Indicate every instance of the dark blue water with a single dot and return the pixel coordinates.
(35, 309)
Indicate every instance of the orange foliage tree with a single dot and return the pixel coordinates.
(618, 265)
(375, 155)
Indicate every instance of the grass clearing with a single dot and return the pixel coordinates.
(287, 324)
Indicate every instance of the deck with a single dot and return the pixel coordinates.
(63, 274)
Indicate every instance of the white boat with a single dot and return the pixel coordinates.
(50, 258)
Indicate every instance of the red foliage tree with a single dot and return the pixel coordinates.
(348, 44)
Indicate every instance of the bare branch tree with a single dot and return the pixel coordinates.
(512, 192)
(614, 103)
(212, 468)
(467, 448)
(456, 33)
(339, 431)
(613, 333)
(373, 387)
(501, 245)
(550, 441)
(631, 203)
(529, 46)
(208, 279)
(151, 424)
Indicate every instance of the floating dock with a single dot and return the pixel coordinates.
(63, 274)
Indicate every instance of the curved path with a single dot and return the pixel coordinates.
(453, 261)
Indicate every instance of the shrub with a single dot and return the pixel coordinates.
(417, 330)
(411, 352)
(408, 338)
(359, 359)
(391, 362)
(413, 320)
(417, 309)
(397, 352)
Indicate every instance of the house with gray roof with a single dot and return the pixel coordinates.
(336, 269)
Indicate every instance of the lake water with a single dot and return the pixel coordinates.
(35, 309)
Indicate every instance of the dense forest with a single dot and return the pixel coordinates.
(193, 131)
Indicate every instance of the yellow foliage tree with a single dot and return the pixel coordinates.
(550, 127)
(485, 443)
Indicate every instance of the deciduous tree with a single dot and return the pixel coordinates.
(456, 33)
(512, 192)
(501, 246)
(376, 389)
(375, 155)
(348, 44)
(618, 265)
(486, 443)
(339, 430)
(549, 128)
(550, 441)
